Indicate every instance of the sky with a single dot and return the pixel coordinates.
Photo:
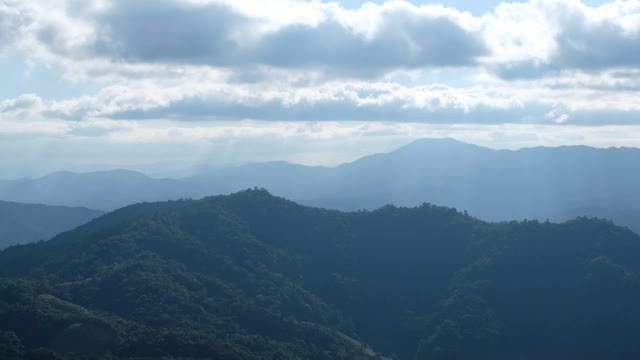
(169, 86)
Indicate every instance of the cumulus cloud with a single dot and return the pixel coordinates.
(516, 40)
(7, 26)
(168, 31)
(602, 45)
(28, 106)
(219, 34)
(554, 61)
(552, 36)
(336, 101)
(21, 103)
(402, 41)
(216, 34)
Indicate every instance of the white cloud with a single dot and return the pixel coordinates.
(516, 39)
(300, 60)
(531, 40)
(497, 102)
(191, 100)
(557, 117)
(26, 107)
(230, 35)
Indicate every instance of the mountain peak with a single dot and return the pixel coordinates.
(257, 195)
(438, 142)
(436, 145)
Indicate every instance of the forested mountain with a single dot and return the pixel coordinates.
(533, 183)
(25, 223)
(104, 190)
(253, 276)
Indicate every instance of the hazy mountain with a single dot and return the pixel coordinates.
(296, 181)
(252, 276)
(25, 223)
(105, 190)
(534, 183)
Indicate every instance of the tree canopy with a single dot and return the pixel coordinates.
(253, 276)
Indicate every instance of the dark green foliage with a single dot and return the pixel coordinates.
(252, 276)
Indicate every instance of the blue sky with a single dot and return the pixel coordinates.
(477, 7)
(175, 84)
(44, 79)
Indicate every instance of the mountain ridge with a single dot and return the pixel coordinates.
(530, 183)
(262, 275)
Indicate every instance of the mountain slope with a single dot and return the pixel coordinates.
(25, 223)
(252, 276)
(105, 190)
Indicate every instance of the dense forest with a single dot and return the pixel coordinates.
(253, 276)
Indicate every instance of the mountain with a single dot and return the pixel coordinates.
(496, 185)
(104, 190)
(25, 223)
(294, 181)
(532, 183)
(253, 276)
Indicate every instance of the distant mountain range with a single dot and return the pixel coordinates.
(26, 223)
(104, 190)
(532, 183)
(252, 276)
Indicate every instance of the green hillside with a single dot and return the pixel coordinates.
(252, 276)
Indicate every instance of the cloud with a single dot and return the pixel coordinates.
(214, 34)
(200, 80)
(222, 34)
(542, 61)
(7, 26)
(556, 36)
(403, 40)
(99, 128)
(336, 101)
(362, 101)
(21, 103)
(557, 116)
(168, 31)
(518, 40)
(26, 107)
(603, 45)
